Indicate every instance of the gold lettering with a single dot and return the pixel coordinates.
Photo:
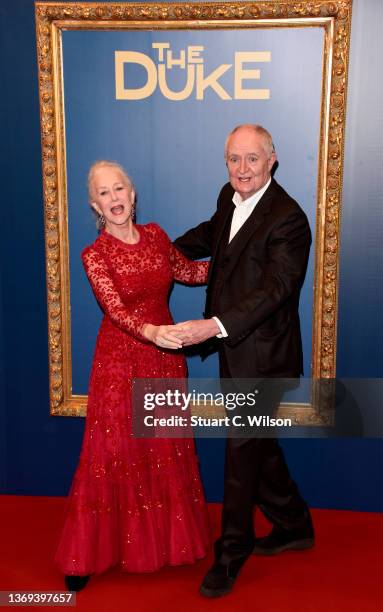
(190, 60)
(212, 81)
(161, 47)
(176, 95)
(194, 54)
(241, 74)
(173, 61)
(134, 57)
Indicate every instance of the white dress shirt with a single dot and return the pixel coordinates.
(243, 210)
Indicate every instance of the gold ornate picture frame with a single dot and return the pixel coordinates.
(52, 18)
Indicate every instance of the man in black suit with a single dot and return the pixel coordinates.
(259, 241)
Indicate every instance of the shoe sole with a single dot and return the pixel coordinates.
(211, 593)
(298, 545)
(81, 583)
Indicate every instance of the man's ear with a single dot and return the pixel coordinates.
(272, 160)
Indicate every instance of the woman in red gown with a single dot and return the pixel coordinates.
(137, 503)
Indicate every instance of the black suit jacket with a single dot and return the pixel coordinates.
(261, 275)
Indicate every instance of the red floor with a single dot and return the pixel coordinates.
(342, 572)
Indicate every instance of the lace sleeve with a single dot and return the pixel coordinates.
(187, 271)
(107, 295)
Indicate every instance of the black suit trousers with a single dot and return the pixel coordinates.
(256, 474)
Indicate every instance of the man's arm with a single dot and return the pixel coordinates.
(284, 273)
(197, 242)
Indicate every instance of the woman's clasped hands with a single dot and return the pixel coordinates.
(182, 334)
(164, 336)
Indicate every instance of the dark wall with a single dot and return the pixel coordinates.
(3, 424)
(41, 450)
(37, 452)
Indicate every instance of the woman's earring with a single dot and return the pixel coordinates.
(133, 212)
(101, 220)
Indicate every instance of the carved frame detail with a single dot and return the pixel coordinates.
(335, 17)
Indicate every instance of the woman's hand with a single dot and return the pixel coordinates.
(164, 336)
(194, 332)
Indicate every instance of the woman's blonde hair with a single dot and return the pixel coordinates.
(104, 163)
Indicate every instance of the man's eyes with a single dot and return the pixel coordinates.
(251, 159)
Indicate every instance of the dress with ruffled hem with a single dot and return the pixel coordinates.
(137, 503)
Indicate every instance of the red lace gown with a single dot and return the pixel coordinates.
(134, 502)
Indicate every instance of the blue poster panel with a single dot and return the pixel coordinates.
(161, 103)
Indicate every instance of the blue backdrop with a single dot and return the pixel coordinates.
(38, 453)
(174, 149)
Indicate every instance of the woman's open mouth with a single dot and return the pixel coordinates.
(117, 210)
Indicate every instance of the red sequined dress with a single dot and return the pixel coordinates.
(134, 502)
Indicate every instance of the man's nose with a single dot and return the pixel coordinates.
(243, 166)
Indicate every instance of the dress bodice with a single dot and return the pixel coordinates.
(132, 281)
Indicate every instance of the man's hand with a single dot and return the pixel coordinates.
(194, 332)
(164, 336)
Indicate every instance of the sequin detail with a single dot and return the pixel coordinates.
(134, 502)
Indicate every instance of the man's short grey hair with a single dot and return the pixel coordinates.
(258, 129)
(105, 163)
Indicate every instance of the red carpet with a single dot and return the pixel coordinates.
(342, 572)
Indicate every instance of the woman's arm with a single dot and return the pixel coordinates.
(187, 271)
(184, 270)
(110, 301)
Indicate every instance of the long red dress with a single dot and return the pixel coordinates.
(134, 502)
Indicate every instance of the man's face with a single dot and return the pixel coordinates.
(248, 161)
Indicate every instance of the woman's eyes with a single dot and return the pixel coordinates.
(119, 188)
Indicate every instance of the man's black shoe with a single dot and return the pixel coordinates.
(76, 583)
(218, 581)
(278, 541)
